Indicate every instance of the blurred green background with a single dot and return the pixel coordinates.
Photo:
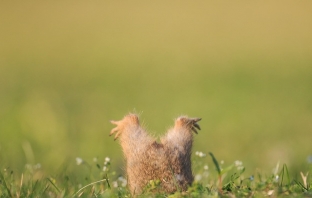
(67, 68)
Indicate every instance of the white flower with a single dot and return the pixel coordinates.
(198, 177)
(106, 160)
(270, 192)
(206, 167)
(37, 166)
(79, 160)
(123, 181)
(94, 159)
(104, 168)
(239, 165)
(200, 154)
(115, 184)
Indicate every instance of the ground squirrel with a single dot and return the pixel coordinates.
(169, 161)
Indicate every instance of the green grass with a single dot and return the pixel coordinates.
(213, 180)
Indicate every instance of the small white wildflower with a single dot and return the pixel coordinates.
(104, 168)
(106, 160)
(270, 192)
(206, 167)
(238, 163)
(276, 178)
(123, 181)
(198, 177)
(115, 184)
(95, 159)
(37, 166)
(201, 154)
(240, 168)
(79, 160)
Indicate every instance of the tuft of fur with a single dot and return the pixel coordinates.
(168, 161)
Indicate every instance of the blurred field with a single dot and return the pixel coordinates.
(67, 68)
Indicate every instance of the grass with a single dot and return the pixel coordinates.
(101, 181)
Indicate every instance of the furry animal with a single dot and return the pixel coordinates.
(169, 161)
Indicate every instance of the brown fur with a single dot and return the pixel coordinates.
(168, 161)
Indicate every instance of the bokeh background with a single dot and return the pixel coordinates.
(67, 68)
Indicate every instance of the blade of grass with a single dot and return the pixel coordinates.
(215, 161)
(88, 186)
(301, 185)
(58, 190)
(227, 169)
(283, 171)
(45, 189)
(18, 194)
(33, 188)
(5, 185)
(304, 179)
(107, 181)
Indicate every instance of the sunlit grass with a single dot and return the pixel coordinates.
(212, 179)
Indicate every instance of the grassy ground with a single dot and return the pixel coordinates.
(67, 68)
(219, 180)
